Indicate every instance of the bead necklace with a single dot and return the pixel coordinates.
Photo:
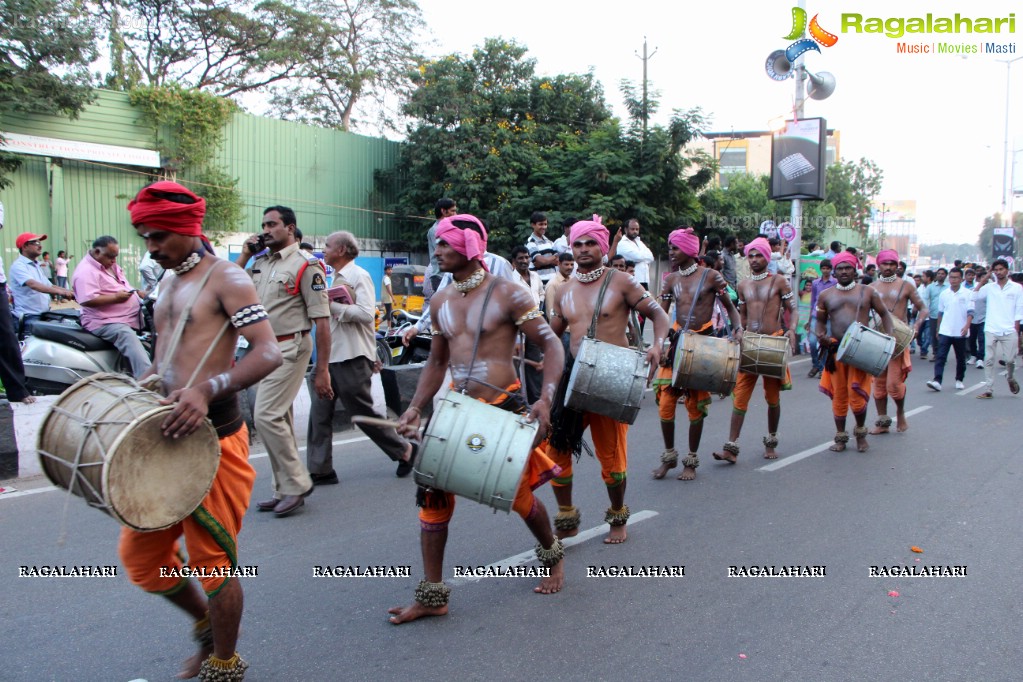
(471, 282)
(762, 276)
(189, 263)
(688, 271)
(588, 277)
(888, 280)
(846, 287)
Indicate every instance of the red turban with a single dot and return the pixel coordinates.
(845, 257)
(466, 242)
(686, 241)
(888, 255)
(594, 230)
(150, 209)
(761, 246)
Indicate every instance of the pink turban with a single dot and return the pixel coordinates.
(761, 246)
(686, 241)
(594, 230)
(888, 255)
(466, 242)
(151, 209)
(845, 257)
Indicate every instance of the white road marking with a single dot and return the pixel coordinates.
(971, 389)
(792, 459)
(258, 455)
(530, 555)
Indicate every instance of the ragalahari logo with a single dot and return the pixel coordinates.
(779, 63)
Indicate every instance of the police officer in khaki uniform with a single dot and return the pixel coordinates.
(293, 289)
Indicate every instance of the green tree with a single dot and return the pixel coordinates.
(362, 50)
(851, 188)
(484, 127)
(225, 47)
(45, 50)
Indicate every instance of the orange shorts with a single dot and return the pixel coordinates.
(211, 531)
(539, 470)
(847, 387)
(610, 440)
(892, 382)
(772, 390)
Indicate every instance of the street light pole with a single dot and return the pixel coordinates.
(1006, 218)
(796, 216)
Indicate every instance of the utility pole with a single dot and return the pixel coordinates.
(646, 111)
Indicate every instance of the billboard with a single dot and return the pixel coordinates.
(798, 160)
(1003, 242)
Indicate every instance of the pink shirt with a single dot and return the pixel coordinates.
(91, 279)
(60, 267)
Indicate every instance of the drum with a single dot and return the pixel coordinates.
(101, 440)
(764, 354)
(902, 332)
(475, 450)
(866, 349)
(705, 363)
(608, 380)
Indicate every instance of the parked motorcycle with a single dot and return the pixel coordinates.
(58, 352)
(417, 351)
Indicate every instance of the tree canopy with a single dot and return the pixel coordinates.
(503, 142)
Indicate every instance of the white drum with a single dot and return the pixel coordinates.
(865, 348)
(475, 450)
(608, 380)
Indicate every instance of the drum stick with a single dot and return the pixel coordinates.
(532, 363)
(374, 421)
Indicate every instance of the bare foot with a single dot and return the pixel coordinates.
(725, 456)
(192, 665)
(769, 453)
(408, 453)
(878, 430)
(562, 534)
(407, 614)
(661, 471)
(554, 582)
(688, 474)
(861, 444)
(28, 400)
(837, 447)
(616, 537)
(903, 422)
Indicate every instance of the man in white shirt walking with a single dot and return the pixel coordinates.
(1001, 326)
(633, 248)
(955, 313)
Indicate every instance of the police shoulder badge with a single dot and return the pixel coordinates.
(319, 284)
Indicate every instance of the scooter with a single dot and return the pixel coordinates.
(59, 352)
(417, 351)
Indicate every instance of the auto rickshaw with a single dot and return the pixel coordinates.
(407, 287)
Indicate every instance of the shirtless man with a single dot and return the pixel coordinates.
(896, 294)
(847, 386)
(693, 289)
(199, 378)
(573, 309)
(476, 337)
(763, 298)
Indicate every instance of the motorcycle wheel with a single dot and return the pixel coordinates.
(383, 353)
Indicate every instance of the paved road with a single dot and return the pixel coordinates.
(950, 486)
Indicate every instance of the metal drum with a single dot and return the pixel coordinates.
(705, 363)
(475, 450)
(101, 440)
(902, 332)
(765, 355)
(866, 349)
(608, 380)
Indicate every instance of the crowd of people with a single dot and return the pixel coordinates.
(505, 332)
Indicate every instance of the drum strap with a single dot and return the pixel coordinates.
(479, 333)
(696, 297)
(592, 331)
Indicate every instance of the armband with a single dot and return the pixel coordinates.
(668, 297)
(787, 296)
(435, 332)
(740, 301)
(530, 314)
(249, 315)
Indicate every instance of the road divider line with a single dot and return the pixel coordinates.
(525, 557)
(792, 459)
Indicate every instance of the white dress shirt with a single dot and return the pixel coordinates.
(954, 306)
(351, 325)
(638, 252)
(1004, 306)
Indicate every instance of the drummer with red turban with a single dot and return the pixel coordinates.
(846, 306)
(693, 290)
(601, 300)
(897, 294)
(194, 368)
